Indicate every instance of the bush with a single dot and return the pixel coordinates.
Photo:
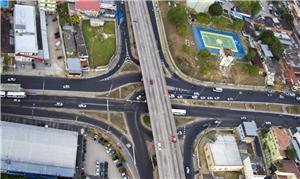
(178, 16)
(238, 25)
(275, 46)
(251, 7)
(185, 48)
(250, 56)
(291, 153)
(215, 9)
(202, 18)
(205, 66)
(182, 30)
(203, 53)
(221, 22)
(252, 70)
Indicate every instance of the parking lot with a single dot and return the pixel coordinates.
(96, 152)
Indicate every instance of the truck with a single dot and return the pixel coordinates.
(179, 112)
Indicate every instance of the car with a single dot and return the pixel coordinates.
(159, 146)
(210, 98)
(97, 164)
(122, 170)
(217, 122)
(194, 97)
(243, 118)
(118, 165)
(151, 82)
(97, 173)
(33, 65)
(107, 146)
(138, 97)
(57, 37)
(173, 138)
(95, 137)
(116, 161)
(82, 105)
(269, 94)
(112, 152)
(66, 86)
(59, 104)
(54, 19)
(123, 174)
(11, 79)
(202, 97)
(292, 94)
(17, 100)
(179, 96)
(229, 99)
(281, 96)
(268, 123)
(171, 95)
(298, 98)
(205, 125)
(216, 97)
(187, 170)
(106, 165)
(196, 93)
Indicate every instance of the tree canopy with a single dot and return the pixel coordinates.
(250, 56)
(203, 53)
(202, 18)
(238, 25)
(291, 153)
(275, 46)
(215, 9)
(252, 70)
(251, 7)
(179, 17)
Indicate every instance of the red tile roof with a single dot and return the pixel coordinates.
(89, 5)
(283, 139)
(288, 166)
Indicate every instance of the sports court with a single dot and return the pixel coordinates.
(213, 40)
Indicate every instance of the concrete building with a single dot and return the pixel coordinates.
(47, 5)
(274, 143)
(43, 24)
(247, 131)
(248, 170)
(74, 67)
(40, 151)
(199, 5)
(223, 154)
(69, 41)
(26, 46)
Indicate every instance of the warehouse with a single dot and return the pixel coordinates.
(36, 150)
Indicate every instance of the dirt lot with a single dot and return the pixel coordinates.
(188, 63)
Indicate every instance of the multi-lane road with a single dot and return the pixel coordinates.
(168, 154)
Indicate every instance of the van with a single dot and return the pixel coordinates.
(218, 90)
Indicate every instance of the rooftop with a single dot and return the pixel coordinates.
(225, 151)
(25, 29)
(288, 166)
(250, 128)
(283, 138)
(74, 66)
(33, 149)
(266, 51)
(69, 41)
(88, 5)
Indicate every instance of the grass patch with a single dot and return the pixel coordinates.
(130, 67)
(146, 120)
(118, 120)
(109, 28)
(293, 109)
(180, 121)
(125, 91)
(97, 115)
(100, 49)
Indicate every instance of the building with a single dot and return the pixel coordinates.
(247, 131)
(226, 58)
(44, 35)
(47, 5)
(74, 66)
(274, 143)
(249, 170)
(69, 41)
(32, 150)
(82, 52)
(89, 8)
(223, 154)
(26, 46)
(199, 5)
(234, 12)
(288, 170)
(108, 5)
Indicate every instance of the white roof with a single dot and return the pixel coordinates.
(250, 128)
(24, 16)
(225, 151)
(38, 149)
(266, 51)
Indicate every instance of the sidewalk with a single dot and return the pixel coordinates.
(177, 71)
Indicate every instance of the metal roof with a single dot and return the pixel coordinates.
(225, 151)
(32, 149)
(44, 35)
(266, 51)
(74, 66)
(69, 41)
(25, 29)
(250, 128)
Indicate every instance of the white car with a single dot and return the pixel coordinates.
(171, 96)
(187, 170)
(292, 94)
(82, 105)
(196, 93)
(210, 98)
(194, 97)
(268, 123)
(229, 99)
(202, 97)
(179, 97)
(17, 100)
(217, 122)
(159, 145)
(243, 118)
(281, 96)
(269, 94)
(11, 79)
(298, 98)
(217, 98)
(97, 171)
(66, 86)
(59, 104)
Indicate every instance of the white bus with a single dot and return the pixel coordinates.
(16, 94)
(179, 112)
(218, 90)
(2, 93)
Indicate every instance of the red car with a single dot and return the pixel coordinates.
(173, 139)
(151, 82)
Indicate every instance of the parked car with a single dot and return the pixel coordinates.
(243, 118)
(54, 19)
(33, 65)
(59, 104)
(205, 125)
(229, 99)
(179, 96)
(66, 86)
(11, 79)
(17, 100)
(82, 105)
(196, 93)
(194, 97)
(202, 97)
(159, 145)
(298, 98)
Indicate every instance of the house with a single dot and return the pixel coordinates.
(199, 5)
(74, 67)
(234, 12)
(269, 64)
(223, 154)
(226, 57)
(82, 52)
(250, 170)
(26, 46)
(247, 131)
(275, 141)
(89, 8)
(287, 170)
(47, 5)
(69, 41)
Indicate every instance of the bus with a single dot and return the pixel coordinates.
(2, 93)
(16, 94)
(218, 90)
(179, 112)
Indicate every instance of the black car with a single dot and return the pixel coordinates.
(33, 65)
(205, 125)
(106, 165)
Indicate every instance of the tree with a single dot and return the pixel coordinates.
(203, 53)
(238, 25)
(202, 18)
(250, 56)
(255, 8)
(205, 66)
(220, 22)
(291, 153)
(74, 19)
(215, 9)
(177, 15)
(275, 46)
(252, 70)
(251, 7)
(289, 20)
(186, 48)
(182, 30)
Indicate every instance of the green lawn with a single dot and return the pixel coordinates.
(109, 27)
(100, 50)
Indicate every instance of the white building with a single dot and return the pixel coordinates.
(223, 154)
(247, 131)
(226, 57)
(199, 5)
(26, 47)
(47, 5)
(37, 150)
